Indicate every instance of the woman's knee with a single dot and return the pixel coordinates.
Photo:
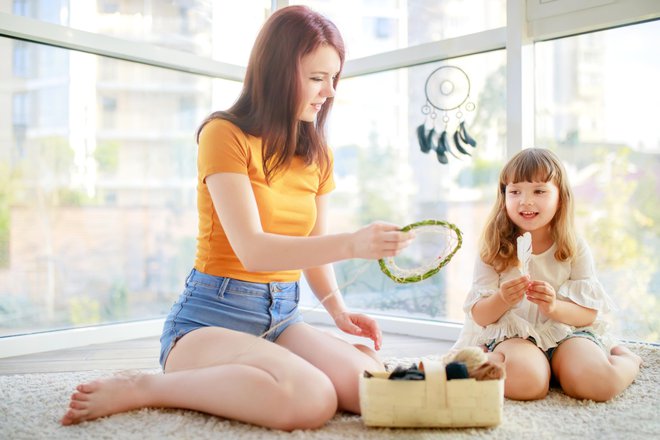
(377, 364)
(308, 401)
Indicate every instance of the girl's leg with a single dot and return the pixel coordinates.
(221, 372)
(341, 361)
(527, 370)
(586, 372)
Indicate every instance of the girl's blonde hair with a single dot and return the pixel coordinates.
(498, 241)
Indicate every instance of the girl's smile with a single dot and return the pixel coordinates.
(531, 206)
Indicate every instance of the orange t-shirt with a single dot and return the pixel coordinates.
(286, 207)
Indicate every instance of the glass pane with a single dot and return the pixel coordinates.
(596, 98)
(382, 174)
(201, 27)
(370, 27)
(97, 185)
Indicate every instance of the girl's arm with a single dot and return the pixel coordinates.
(491, 308)
(572, 314)
(258, 251)
(323, 283)
(543, 294)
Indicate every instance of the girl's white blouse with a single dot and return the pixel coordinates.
(575, 281)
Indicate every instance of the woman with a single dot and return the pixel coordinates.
(264, 174)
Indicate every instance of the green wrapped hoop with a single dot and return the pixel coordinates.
(441, 262)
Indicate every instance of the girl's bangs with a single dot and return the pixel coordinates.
(529, 168)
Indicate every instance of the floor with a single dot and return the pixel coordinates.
(143, 354)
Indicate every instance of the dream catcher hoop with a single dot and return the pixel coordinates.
(428, 261)
(447, 91)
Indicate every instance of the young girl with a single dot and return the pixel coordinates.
(547, 322)
(264, 171)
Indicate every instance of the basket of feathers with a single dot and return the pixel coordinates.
(464, 389)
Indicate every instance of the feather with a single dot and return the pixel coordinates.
(421, 137)
(442, 147)
(457, 142)
(465, 137)
(524, 247)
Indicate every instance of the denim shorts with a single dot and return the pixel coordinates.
(548, 353)
(212, 301)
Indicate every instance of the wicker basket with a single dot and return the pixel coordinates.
(433, 402)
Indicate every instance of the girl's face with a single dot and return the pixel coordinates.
(318, 70)
(531, 205)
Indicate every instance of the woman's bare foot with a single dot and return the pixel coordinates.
(621, 350)
(103, 397)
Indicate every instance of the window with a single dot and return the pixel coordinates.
(99, 170)
(100, 216)
(109, 112)
(20, 60)
(372, 27)
(221, 29)
(596, 109)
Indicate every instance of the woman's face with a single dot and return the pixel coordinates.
(318, 70)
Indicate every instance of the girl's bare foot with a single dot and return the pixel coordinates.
(621, 350)
(495, 356)
(103, 397)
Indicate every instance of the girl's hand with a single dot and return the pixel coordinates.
(513, 291)
(379, 240)
(360, 325)
(543, 295)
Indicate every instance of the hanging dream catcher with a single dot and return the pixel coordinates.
(447, 92)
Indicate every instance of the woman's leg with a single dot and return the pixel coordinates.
(586, 372)
(527, 370)
(221, 372)
(341, 361)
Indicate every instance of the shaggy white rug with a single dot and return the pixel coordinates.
(32, 404)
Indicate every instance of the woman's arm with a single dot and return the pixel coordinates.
(323, 283)
(321, 279)
(258, 251)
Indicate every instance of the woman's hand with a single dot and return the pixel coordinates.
(360, 325)
(512, 292)
(379, 240)
(543, 295)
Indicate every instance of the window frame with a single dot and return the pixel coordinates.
(528, 22)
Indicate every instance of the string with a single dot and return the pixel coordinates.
(320, 303)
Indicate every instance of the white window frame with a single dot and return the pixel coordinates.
(535, 20)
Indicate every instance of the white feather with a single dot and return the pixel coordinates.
(524, 247)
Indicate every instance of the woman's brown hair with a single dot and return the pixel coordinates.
(269, 103)
(498, 241)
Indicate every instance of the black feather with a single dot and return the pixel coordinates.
(442, 147)
(421, 137)
(465, 136)
(457, 142)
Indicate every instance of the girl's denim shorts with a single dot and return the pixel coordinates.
(212, 301)
(587, 334)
